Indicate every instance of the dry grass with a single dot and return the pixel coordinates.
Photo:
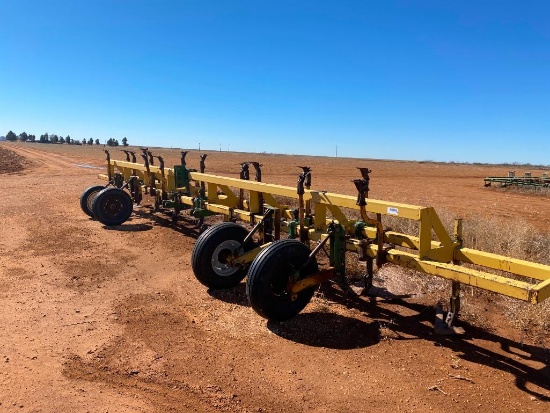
(516, 239)
(530, 190)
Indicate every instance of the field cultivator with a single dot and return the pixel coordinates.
(527, 181)
(291, 226)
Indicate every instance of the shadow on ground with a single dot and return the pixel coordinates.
(321, 329)
(236, 295)
(419, 325)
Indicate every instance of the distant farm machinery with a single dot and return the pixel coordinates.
(280, 254)
(526, 181)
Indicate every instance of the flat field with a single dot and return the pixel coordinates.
(100, 319)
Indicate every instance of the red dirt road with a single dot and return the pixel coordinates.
(112, 320)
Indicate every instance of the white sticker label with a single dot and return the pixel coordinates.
(393, 211)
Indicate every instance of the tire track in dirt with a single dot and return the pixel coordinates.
(45, 161)
(48, 317)
(68, 256)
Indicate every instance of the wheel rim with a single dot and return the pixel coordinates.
(90, 199)
(113, 206)
(220, 256)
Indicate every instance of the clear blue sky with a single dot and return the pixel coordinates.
(417, 80)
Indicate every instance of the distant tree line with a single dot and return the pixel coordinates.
(47, 138)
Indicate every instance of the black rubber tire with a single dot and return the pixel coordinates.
(112, 206)
(88, 196)
(217, 240)
(266, 285)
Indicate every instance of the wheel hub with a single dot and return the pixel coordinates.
(113, 206)
(221, 258)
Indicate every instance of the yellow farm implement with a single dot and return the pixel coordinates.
(283, 271)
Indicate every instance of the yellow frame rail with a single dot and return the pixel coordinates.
(431, 251)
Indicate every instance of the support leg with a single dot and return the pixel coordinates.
(369, 275)
(454, 305)
(445, 326)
